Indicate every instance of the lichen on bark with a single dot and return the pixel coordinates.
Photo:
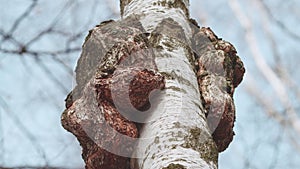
(200, 141)
(219, 72)
(116, 62)
(182, 4)
(121, 68)
(174, 166)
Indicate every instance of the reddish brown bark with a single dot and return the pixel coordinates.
(220, 71)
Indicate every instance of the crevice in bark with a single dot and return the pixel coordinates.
(118, 74)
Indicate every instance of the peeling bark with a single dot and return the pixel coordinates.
(154, 91)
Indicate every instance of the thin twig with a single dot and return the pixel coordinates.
(275, 81)
(279, 23)
(19, 124)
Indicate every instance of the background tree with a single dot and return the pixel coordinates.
(35, 80)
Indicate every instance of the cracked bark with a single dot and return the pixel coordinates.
(144, 97)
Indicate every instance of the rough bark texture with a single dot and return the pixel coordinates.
(116, 102)
(219, 72)
(111, 70)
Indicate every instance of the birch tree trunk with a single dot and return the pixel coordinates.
(177, 134)
(137, 103)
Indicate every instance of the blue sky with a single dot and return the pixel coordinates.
(33, 88)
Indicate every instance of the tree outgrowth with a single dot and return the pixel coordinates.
(220, 71)
(116, 110)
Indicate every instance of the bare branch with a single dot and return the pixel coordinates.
(19, 124)
(273, 79)
(50, 74)
(22, 17)
(279, 23)
(264, 101)
(52, 24)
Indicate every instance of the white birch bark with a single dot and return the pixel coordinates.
(176, 135)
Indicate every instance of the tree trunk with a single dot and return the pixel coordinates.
(138, 91)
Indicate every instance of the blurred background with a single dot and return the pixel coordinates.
(40, 42)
